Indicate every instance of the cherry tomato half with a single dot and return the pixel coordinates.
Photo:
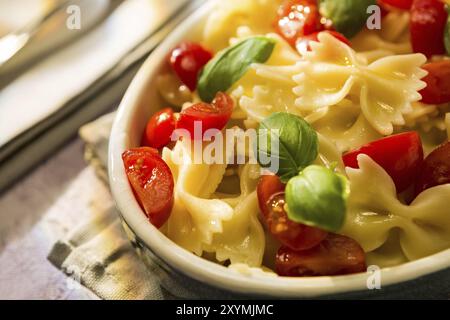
(336, 255)
(297, 18)
(159, 129)
(437, 90)
(303, 44)
(291, 234)
(401, 4)
(400, 156)
(187, 59)
(214, 115)
(427, 25)
(152, 182)
(435, 169)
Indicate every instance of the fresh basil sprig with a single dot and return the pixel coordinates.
(447, 31)
(229, 65)
(348, 16)
(296, 146)
(317, 197)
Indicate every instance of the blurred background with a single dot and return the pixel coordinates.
(63, 64)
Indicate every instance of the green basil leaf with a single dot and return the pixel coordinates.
(296, 146)
(230, 64)
(447, 31)
(317, 197)
(348, 16)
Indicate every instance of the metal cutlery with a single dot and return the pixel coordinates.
(13, 42)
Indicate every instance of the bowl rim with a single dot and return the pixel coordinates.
(199, 268)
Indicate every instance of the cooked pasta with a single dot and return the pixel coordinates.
(331, 72)
(348, 96)
(392, 38)
(224, 22)
(374, 212)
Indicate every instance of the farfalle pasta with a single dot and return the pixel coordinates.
(199, 222)
(267, 88)
(386, 87)
(338, 155)
(375, 212)
(225, 22)
(392, 38)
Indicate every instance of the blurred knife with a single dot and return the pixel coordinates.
(11, 43)
(19, 49)
(31, 147)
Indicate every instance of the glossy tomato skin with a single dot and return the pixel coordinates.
(400, 155)
(303, 43)
(336, 255)
(297, 18)
(400, 4)
(187, 59)
(152, 182)
(294, 235)
(159, 129)
(437, 90)
(214, 115)
(268, 185)
(427, 25)
(435, 169)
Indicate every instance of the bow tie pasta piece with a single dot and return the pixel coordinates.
(267, 99)
(421, 115)
(199, 222)
(242, 239)
(195, 217)
(267, 88)
(228, 16)
(427, 117)
(374, 214)
(392, 38)
(345, 126)
(386, 88)
(391, 85)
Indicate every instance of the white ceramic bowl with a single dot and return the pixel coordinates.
(140, 101)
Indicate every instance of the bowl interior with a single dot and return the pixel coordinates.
(139, 103)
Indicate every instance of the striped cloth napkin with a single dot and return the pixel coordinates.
(97, 253)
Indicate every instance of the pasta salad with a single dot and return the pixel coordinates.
(303, 137)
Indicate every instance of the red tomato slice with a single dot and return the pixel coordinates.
(435, 169)
(297, 18)
(152, 182)
(159, 129)
(211, 116)
(291, 234)
(400, 156)
(187, 60)
(427, 25)
(401, 4)
(303, 44)
(336, 255)
(437, 90)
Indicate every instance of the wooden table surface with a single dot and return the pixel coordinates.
(34, 213)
